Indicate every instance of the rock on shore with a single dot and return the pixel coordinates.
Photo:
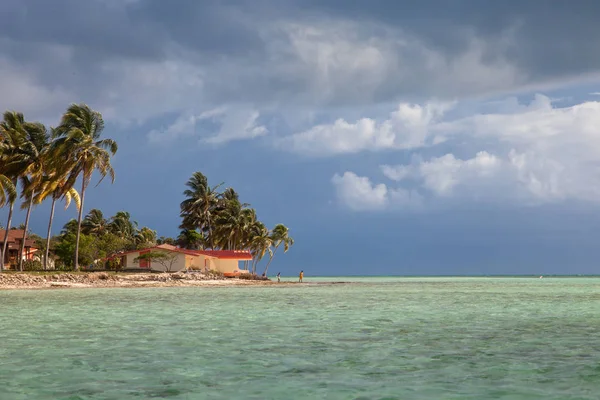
(111, 279)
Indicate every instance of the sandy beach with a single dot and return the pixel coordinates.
(10, 281)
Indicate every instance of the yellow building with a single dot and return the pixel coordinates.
(177, 259)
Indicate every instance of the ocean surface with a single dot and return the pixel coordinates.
(374, 338)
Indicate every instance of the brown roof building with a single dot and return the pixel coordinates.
(15, 237)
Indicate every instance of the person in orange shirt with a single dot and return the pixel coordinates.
(301, 276)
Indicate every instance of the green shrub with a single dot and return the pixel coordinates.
(32, 265)
(253, 277)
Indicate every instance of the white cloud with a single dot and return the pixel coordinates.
(406, 128)
(235, 124)
(535, 154)
(360, 194)
(238, 125)
(518, 176)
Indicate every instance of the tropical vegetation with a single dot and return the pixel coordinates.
(39, 164)
(220, 221)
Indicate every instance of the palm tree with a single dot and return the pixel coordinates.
(8, 192)
(78, 137)
(199, 206)
(56, 188)
(260, 243)
(122, 225)
(23, 147)
(94, 223)
(279, 235)
(228, 225)
(70, 227)
(11, 134)
(31, 156)
(145, 237)
(165, 240)
(191, 239)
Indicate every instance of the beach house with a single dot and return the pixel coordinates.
(15, 238)
(173, 259)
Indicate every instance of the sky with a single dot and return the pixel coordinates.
(391, 137)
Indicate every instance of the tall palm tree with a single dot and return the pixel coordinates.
(231, 219)
(199, 206)
(56, 187)
(31, 156)
(279, 235)
(8, 191)
(228, 225)
(260, 243)
(23, 144)
(11, 135)
(8, 194)
(78, 137)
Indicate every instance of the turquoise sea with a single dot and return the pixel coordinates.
(373, 338)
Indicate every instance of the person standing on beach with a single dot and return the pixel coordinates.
(279, 277)
(301, 276)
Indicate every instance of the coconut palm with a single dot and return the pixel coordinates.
(260, 243)
(78, 138)
(94, 223)
(56, 187)
(31, 157)
(8, 192)
(229, 225)
(231, 221)
(122, 225)
(198, 209)
(145, 237)
(70, 227)
(11, 134)
(279, 235)
(191, 239)
(23, 147)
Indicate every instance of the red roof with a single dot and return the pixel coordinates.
(227, 254)
(221, 254)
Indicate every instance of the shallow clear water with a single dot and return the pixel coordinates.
(412, 338)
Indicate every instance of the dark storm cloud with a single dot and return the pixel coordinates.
(110, 30)
(246, 54)
(551, 38)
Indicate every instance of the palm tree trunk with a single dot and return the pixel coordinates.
(47, 253)
(22, 249)
(5, 243)
(255, 264)
(210, 236)
(271, 259)
(76, 261)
